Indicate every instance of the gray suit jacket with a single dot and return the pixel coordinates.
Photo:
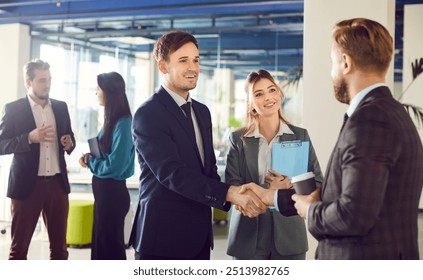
(369, 200)
(242, 167)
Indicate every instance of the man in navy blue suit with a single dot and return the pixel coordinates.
(179, 182)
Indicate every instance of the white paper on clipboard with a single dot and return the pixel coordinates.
(290, 158)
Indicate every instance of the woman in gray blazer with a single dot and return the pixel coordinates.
(270, 235)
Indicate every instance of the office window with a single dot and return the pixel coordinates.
(74, 71)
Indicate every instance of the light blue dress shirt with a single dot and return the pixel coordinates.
(353, 105)
(181, 101)
(357, 99)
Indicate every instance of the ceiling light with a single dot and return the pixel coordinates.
(127, 40)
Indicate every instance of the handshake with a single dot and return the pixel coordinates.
(252, 200)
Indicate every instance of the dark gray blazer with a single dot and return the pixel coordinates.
(242, 167)
(369, 200)
(17, 122)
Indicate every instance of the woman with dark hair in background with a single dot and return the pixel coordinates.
(111, 170)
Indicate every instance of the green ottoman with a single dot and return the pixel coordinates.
(220, 216)
(80, 223)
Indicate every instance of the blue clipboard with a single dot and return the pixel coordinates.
(290, 158)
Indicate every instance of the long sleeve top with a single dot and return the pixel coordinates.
(119, 163)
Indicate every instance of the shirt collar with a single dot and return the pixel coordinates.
(356, 100)
(33, 103)
(178, 99)
(283, 128)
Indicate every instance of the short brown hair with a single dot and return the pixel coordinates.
(368, 43)
(30, 67)
(170, 42)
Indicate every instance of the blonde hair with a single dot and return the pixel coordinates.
(252, 115)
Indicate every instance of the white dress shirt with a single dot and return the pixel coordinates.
(181, 101)
(265, 149)
(265, 154)
(49, 151)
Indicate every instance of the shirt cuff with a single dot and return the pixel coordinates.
(306, 212)
(275, 200)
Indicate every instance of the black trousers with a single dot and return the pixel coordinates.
(111, 204)
(204, 254)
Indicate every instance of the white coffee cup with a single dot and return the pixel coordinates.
(304, 183)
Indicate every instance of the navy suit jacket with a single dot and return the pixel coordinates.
(17, 122)
(173, 216)
(370, 195)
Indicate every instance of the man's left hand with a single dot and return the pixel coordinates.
(66, 141)
(302, 202)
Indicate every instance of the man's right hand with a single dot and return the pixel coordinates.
(248, 201)
(42, 134)
(266, 195)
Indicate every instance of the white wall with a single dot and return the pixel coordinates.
(322, 113)
(413, 49)
(14, 53)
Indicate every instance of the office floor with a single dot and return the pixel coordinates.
(39, 246)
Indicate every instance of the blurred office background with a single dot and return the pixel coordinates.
(291, 39)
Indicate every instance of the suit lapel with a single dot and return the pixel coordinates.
(57, 118)
(28, 115)
(251, 157)
(202, 125)
(379, 92)
(28, 120)
(174, 109)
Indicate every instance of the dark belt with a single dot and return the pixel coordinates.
(57, 175)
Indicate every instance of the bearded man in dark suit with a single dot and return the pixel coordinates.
(369, 200)
(37, 131)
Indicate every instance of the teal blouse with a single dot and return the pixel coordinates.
(119, 164)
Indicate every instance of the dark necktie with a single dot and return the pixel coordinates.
(187, 109)
(345, 120)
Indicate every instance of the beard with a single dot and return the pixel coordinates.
(42, 97)
(341, 91)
